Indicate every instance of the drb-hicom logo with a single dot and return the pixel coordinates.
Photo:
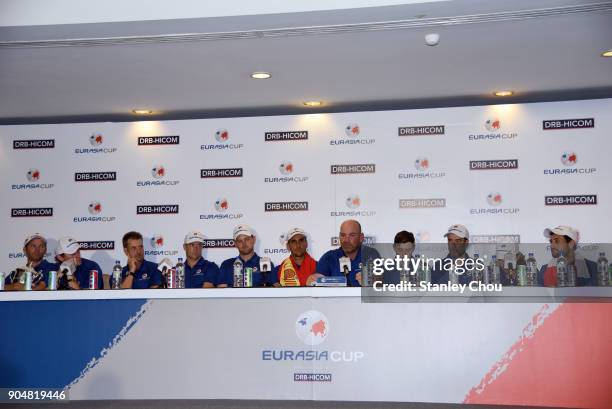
(285, 206)
(311, 328)
(494, 127)
(420, 130)
(353, 169)
(158, 173)
(421, 164)
(352, 132)
(95, 176)
(158, 140)
(353, 202)
(286, 136)
(570, 200)
(286, 169)
(218, 243)
(96, 140)
(32, 212)
(222, 136)
(221, 173)
(32, 175)
(421, 203)
(493, 164)
(157, 209)
(335, 241)
(95, 210)
(97, 245)
(555, 124)
(34, 144)
(157, 244)
(494, 200)
(222, 206)
(570, 159)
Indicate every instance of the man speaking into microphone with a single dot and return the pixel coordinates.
(348, 259)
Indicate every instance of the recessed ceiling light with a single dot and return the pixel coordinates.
(313, 103)
(607, 53)
(142, 111)
(503, 93)
(261, 75)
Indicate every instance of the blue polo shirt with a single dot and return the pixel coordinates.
(82, 273)
(145, 277)
(203, 271)
(329, 264)
(226, 273)
(43, 274)
(441, 276)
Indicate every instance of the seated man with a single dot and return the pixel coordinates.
(244, 240)
(138, 273)
(68, 252)
(199, 273)
(351, 245)
(35, 248)
(458, 239)
(564, 239)
(403, 245)
(295, 269)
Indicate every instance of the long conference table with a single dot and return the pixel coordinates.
(524, 346)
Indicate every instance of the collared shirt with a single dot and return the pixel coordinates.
(41, 274)
(203, 271)
(440, 276)
(226, 274)
(145, 277)
(329, 264)
(82, 273)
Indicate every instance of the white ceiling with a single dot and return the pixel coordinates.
(543, 50)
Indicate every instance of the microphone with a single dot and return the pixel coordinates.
(164, 265)
(67, 268)
(265, 267)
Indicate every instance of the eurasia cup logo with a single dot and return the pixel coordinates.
(96, 139)
(494, 199)
(569, 158)
(222, 205)
(353, 202)
(352, 130)
(493, 124)
(282, 239)
(158, 172)
(94, 208)
(286, 168)
(222, 135)
(312, 327)
(157, 241)
(33, 175)
(422, 237)
(421, 163)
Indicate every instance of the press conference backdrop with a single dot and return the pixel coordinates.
(500, 170)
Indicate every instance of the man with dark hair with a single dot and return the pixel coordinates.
(34, 248)
(295, 270)
(138, 273)
(403, 245)
(564, 240)
(351, 246)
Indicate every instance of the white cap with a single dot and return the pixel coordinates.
(563, 231)
(67, 245)
(32, 237)
(458, 230)
(194, 237)
(294, 232)
(243, 229)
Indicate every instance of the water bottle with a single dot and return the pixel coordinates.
(531, 273)
(238, 274)
(27, 285)
(493, 275)
(571, 275)
(424, 273)
(477, 275)
(116, 276)
(561, 271)
(603, 270)
(366, 280)
(180, 273)
(1, 281)
(453, 277)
